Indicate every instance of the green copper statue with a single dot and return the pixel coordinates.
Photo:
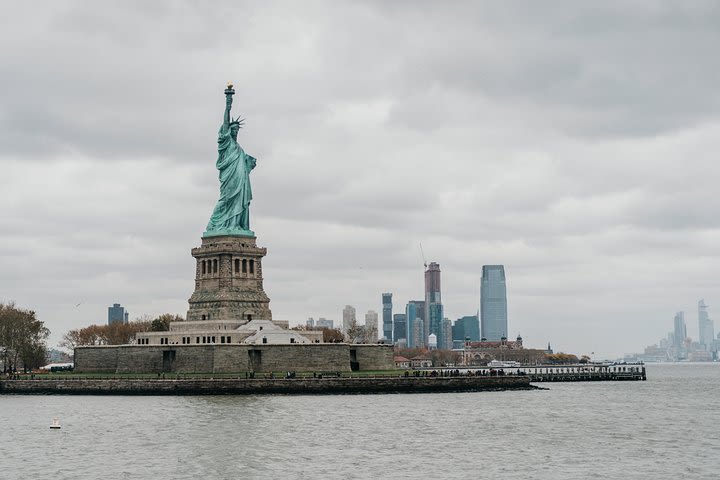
(232, 212)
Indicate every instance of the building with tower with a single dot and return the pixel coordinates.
(493, 303)
(433, 300)
(483, 352)
(117, 314)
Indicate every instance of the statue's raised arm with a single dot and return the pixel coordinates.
(232, 212)
(229, 92)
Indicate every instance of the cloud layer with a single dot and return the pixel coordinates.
(572, 143)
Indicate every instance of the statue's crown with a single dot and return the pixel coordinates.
(238, 121)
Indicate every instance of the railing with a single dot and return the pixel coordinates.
(537, 373)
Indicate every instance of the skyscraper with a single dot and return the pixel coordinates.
(387, 316)
(415, 313)
(493, 303)
(446, 339)
(371, 326)
(418, 330)
(432, 297)
(117, 314)
(706, 328)
(435, 319)
(410, 319)
(680, 330)
(466, 327)
(348, 317)
(399, 327)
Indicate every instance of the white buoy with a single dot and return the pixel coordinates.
(55, 423)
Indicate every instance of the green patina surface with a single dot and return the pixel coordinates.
(231, 215)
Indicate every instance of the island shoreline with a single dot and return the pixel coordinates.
(240, 386)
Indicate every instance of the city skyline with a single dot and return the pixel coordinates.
(538, 136)
(680, 345)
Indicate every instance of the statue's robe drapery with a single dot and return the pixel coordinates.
(232, 212)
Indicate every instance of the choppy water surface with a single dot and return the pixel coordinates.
(666, 427)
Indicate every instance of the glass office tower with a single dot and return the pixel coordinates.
(493, 303)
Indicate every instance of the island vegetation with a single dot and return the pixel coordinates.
(23, 339)
(117, 333)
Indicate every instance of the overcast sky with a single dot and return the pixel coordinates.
(576, 144)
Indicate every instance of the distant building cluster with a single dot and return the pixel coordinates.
(423, 324)
(678, 346)
(320, 323)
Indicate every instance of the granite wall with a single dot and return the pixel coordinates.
(303, 386)
(216, 358)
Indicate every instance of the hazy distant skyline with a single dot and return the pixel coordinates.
(573, 143)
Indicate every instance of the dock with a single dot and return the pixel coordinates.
(582, 372)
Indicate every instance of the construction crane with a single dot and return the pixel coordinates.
(423, 256)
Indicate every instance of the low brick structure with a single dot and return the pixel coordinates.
(481, 353)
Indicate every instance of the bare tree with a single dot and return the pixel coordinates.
(356, 333)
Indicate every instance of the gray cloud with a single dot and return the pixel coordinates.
(572, 143)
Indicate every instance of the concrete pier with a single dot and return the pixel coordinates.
(582, 373)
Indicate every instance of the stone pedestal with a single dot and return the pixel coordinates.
(228, 280)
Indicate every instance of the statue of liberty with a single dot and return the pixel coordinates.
(232, 212)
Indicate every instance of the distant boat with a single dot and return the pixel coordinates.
(499, 364)
(55, 423)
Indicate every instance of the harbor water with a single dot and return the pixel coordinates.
(665, 427)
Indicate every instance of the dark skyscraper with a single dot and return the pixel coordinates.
(117, 314)
(399, 327)
(468, 326)
(493, 303)
(433, 315)
(435, 320)
(387, 316)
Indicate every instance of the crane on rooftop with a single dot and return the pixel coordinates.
(423, 256)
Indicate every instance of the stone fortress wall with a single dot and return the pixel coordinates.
(311, 357)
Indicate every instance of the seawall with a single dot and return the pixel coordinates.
(224, 386)
(229, 358)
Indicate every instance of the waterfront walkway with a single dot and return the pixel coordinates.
(242, 386)
(583, 372)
